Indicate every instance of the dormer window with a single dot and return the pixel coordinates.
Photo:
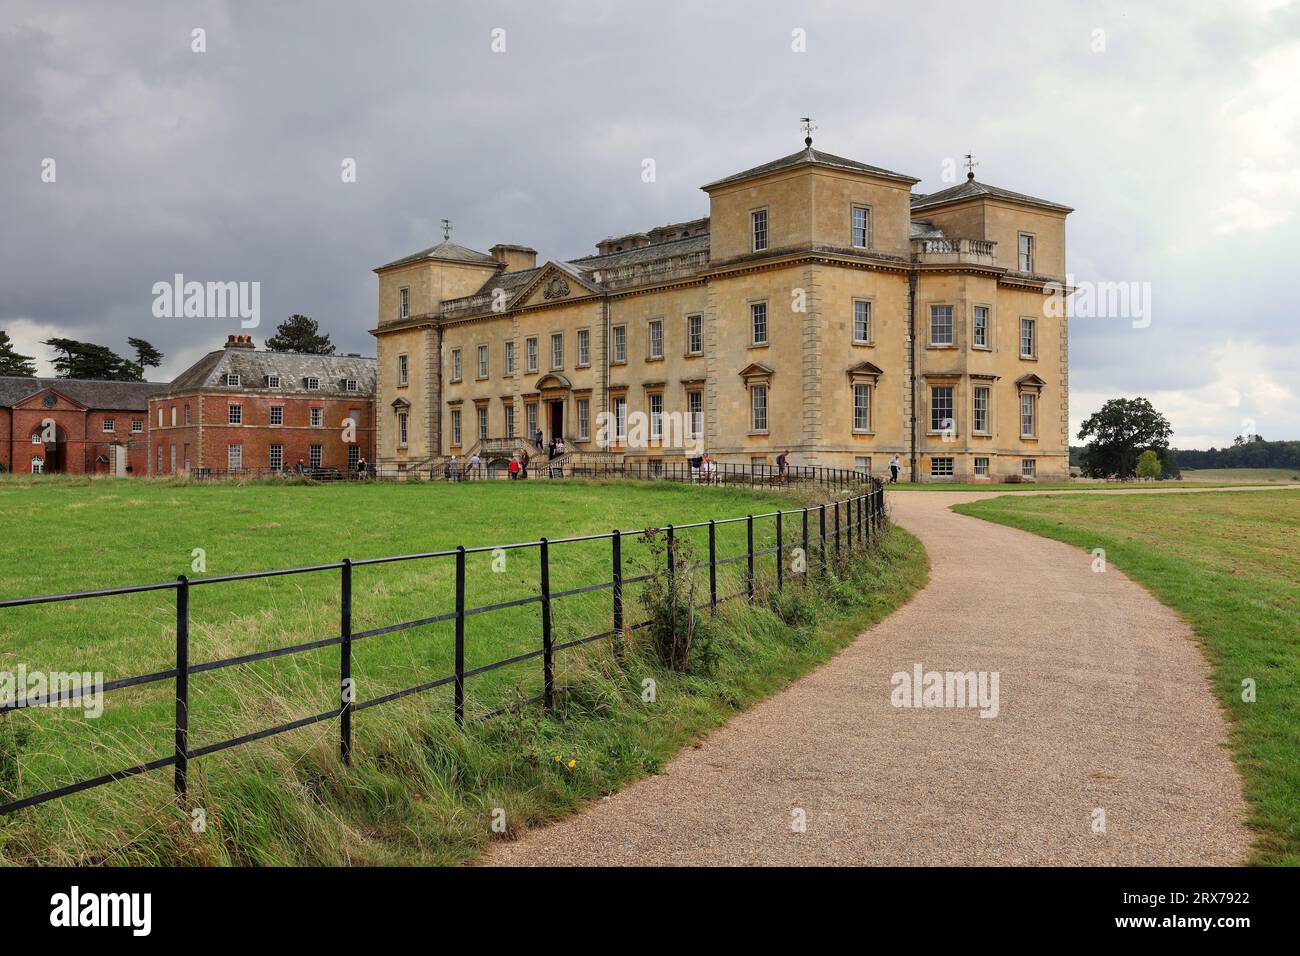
(231, 379)
(273, 381)
(313, 385)
(349, 385)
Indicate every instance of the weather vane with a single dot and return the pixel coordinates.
(970, 166)
(446, 230)
(807, 125)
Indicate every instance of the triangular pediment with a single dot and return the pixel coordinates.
(50, 398)
(865, 370)
(555, 284)
(1030, 381)
(755, 370)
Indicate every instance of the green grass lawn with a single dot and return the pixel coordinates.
(1242, 475)
(1220, 479)
(287, 800)
(1229, 564)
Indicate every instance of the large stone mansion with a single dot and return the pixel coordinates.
(821, 308)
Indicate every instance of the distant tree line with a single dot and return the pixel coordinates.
(88, 360)
(1245, 452)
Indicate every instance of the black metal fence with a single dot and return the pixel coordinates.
(829, 530)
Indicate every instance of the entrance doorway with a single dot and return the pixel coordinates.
(555, 418)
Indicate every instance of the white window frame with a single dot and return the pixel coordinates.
(313, 383)
(979, 334)
(938, 470)
(557, 351)
(1025, 251)
(272, 418)
(401, 429)
(861, 407)
(316, 417)
(404, 302)
(758, 323)
(110, 424)
(947, 314)
(455, 428)
(980, 421)
(531, 355)
(584, 347)
(137, 426)
(455, 365)
(619, 333)
(1028, 468)
(510, 419)
(1028, 330)
(656, 404)
(862, 311)
(936, 420)
(584, 419)
(758, 230)
(482, 361)
(350, 385)
(758, 408)
(234, 414)
(273, 381)
(695, 334)
(981, 470)
(694, 414)
(275, 457)
(1028, 415)
(510, 356)
(403, 370)
(315, 456)
(865, 228)
(482, 422)
(655, 337)
(234, 457)
(620, 417)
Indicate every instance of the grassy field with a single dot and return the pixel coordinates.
(419, 790)
(1229, 564)
(1242, 475)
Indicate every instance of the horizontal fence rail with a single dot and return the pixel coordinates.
(830, 529)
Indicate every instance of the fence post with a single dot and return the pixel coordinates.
(548, 663)
(618, 592)
(713, 568)
(182, 743)
(805, 546)
(672, 587)
(346, 693)
(460, 636)
(749, 573)
(780, 552)
(837, 530)
(821, 536)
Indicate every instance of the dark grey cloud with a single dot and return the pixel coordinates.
(225, 165)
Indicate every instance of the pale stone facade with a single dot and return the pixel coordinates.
(818, 306)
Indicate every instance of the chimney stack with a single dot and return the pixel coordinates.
(240, 342)
(514, 258)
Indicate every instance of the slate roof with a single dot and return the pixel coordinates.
(811, 157)
(253, 366)
(444, 252)
(509, 281)
(972, 189)
(114, 396)
(657, 250)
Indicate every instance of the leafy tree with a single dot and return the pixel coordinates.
(1119, 432)
(11, 363)
(86, 360)
(1148, 465)
(300, 333)
(146, 355)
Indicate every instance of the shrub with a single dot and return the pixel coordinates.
(682, 637)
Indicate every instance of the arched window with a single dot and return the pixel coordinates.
(38, 465)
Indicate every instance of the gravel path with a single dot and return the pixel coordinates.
(1104, 705)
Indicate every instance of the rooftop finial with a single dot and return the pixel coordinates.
(446, 230)
(970, 167)
(808, 127)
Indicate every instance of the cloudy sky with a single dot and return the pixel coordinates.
(1171, 128)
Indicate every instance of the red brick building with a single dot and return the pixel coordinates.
(77, 427)
(240, 409)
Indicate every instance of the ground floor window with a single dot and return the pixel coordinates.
(657, 417)
(695, 404)
(982, 467)
(354, 457)
(1027, 468)
(234, 457)
(620, 419)
(276, 459)
(861, 408)
(38, 466)
(455, 427)
(510, 420)
(941, 468)
(314, 456)
(584, 419)
(158, 464)
(758, 408)
(401, 430)
(530, 410)
(482, 423)
(862, 463)
(657, 467)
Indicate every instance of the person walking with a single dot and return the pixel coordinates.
(514, 467)
(538, 442)
(453, 468)
(782, 460)
(523, 464)
(894, 466)
(475, 467)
